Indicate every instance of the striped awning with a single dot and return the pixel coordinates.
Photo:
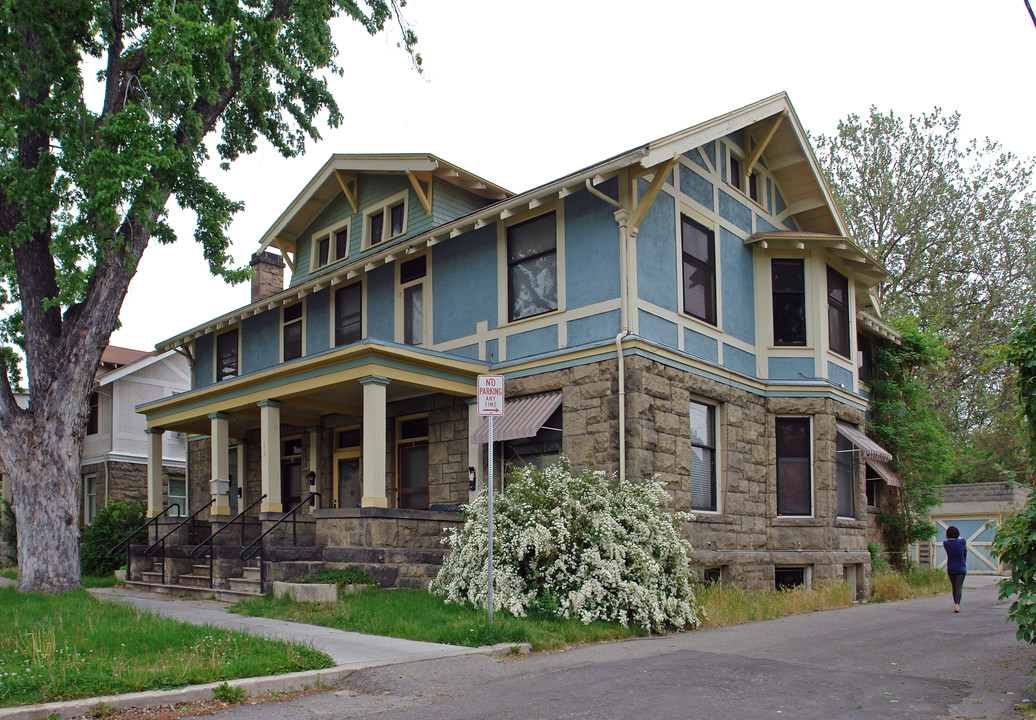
(523, 417)
(884, 473)
(870, 449)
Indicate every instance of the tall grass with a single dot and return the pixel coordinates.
(70, 645)
(730, 605)
(419, 615)
(917, 582)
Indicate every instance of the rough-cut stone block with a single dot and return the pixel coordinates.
(306, 592)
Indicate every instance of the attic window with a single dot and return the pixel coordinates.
(330, 245)
(386, 220)
(735, 172)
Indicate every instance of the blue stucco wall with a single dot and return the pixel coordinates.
(695, 157)
(694, 343)
(380, 303)
(260, 341)
(532, 342)
(738, 287)
(709, 149)
(788, 368)
(594, 328)
(464, 284)
(658, 329)
(657, 280)
(468, 351)
(492, 351)
(840, 376)
(697, 188)
(203, 351)
(738, 360)
(318, 322)
(733, 210)
(762, 225)
(592, 254)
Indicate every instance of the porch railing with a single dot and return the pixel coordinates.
(207, 544)
(127, 541)
(159, 544)
(258, 547)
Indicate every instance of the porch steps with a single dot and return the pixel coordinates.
(203, 593)
(154, 575)
(198, 577)
(248, 582)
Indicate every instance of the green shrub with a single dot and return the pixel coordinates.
(879, 558)
(1015, 544)
(578, 545)
(344, 576)
(109, 527)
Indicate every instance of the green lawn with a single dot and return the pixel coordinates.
(419, 615)
(71, 645)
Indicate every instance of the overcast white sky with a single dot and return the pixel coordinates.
(522, 93)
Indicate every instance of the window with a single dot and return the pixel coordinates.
(794, 474)
(410, 275)
(226, 355)
(330, 245)
(838, 312)
(532, 267)
(699, 270)
(712, 575)
(94, 413)
(292, 331)
(178, 495)
(735, 172)
(753, 187)
(412, 450)
(385, 221)
(845, 477)
(864, 358)
(785, 578)
(703, 457)
(89, 498)
(348, 314)
(788, 277)
(541, 449)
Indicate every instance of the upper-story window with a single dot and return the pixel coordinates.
(385, 221)
(864, 357)
(704, 495)
(794, 466)
(735, 176)
(348, 314)
(330, 245)
(411, 276)
(92, 419)
(838, 312)
(292, 331)
(532, 267)
(699, 270)
(227, 355)
(788, 280)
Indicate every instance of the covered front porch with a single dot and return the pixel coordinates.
(368, 448)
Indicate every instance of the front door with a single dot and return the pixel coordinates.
(291, 483)
(348, 487)
(413, 476)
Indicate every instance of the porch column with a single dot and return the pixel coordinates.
(220, 457)
(474, 450)
(374, 434)
(154, 471)
(314, 460)
(270, 455)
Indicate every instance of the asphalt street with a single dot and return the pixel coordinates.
(910, 659)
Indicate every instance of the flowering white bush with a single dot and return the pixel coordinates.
(579, 545)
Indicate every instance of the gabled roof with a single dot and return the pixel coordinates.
(147, 360)
(116, 356)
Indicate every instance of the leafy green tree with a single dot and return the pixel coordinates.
(955, 223)
(84, 187)
(112, 524)
(903, 421)
(1015, 541)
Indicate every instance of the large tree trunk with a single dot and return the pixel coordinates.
(44, 466)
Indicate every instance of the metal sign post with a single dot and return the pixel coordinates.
(490, 402)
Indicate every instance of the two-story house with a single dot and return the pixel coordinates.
(693, 308)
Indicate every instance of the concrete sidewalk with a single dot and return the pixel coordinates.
(350, 651)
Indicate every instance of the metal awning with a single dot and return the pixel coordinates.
(883, 471)
(870, 449)
(523, 417)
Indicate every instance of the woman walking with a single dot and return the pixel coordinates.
(956, 562)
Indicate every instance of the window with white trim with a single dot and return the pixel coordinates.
(227, 354)
(178, 494)
(699, 270)
(292, 331)
(330, 245)
(386, 220)
(845, 476)
(348, 314)
(838, 312)
(532, 267)
(704, 490)
(794, 466)
(411, 276)
(89, 498)
(93, 417)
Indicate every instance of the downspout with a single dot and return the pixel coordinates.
(622, 220)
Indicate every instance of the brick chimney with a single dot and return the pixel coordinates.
(268, 275)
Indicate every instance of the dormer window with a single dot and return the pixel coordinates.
(385, 221)
(330, 245)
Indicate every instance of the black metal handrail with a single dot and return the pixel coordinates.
(250, 550)
(207, 542)
(159, 544)
(126, 541)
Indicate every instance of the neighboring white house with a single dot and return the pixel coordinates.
(115, 449)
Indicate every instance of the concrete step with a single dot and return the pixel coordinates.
(150, 576)
(202, 581)
(245, 585)
(201, 570)
(204, 593)
(250, 573)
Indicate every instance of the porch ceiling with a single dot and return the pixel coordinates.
(309, 389)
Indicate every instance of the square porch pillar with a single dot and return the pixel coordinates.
(375, 431)
(220, 456)
(154, 471)
(270, 455)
